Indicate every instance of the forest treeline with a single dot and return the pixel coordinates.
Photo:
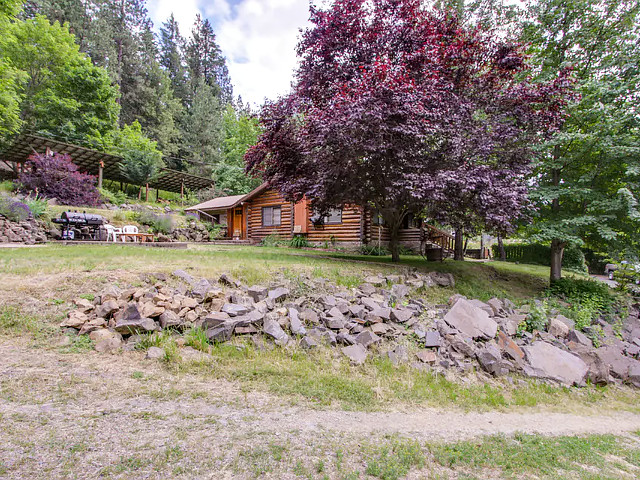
(95, 72)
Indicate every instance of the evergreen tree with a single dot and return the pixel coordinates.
(74, 12)
(204, 134)
(206, 62)
(172, 47)
(150, 100)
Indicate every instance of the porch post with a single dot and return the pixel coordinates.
(100, 173)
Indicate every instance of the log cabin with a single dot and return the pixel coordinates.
(264, 212)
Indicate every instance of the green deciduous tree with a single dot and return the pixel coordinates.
(587, 182)
(240, 130)
(11, 80)
(64, 94)
(141, 158)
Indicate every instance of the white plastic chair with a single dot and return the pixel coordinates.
(129, 229)
(113, 232)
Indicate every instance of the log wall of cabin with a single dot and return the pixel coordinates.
(268, 198)
(348, 231)
(408, 237)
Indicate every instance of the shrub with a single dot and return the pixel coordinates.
(14, 210)
(299, 241)
(216, 231)
(581, 290)
(536, 318)
(273, 240)
(573, 258)
(7, 186)
(588, 300)
(373, 250)
(115, 198)
(55, 176)
(159, 223)
(38, 207)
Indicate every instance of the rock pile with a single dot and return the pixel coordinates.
(383, 316)
(192, 232)
(28, 232)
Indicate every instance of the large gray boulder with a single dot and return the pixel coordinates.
(221, 332)
(295, 324)
(367, 338)
(257, 292)
(356, 353)
(543, 360)
(274, 330)
(169, 319)
(234, 309)
(201, 288)
(107, 308)
(278, 294)
(138, 325)
(489, 358)
(471, 320)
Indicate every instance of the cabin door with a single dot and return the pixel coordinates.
(237, 223)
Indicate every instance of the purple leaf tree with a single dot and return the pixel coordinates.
(56, 176)
(393, 98)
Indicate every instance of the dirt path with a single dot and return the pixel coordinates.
(80, 414)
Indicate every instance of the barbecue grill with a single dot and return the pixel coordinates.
(87, 224)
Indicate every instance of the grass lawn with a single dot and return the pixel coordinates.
(37, 285)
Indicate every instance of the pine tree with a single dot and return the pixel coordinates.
(206, 61)
(202, 128)
(172, 46)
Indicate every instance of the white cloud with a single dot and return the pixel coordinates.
(258, 37)
(184, 11)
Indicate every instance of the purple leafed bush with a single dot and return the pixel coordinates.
(14, 210)
(56, 176)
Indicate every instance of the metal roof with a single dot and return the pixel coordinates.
(88, 160)
(220, 203)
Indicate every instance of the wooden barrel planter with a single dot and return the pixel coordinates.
(434, 254)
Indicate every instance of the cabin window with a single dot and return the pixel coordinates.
(333, 216)
(271, 216)
(376, 218)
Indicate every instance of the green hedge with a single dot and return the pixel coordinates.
(537, 254)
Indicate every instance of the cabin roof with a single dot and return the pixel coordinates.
(222, 203)
(219, 203)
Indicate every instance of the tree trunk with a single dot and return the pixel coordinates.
(458, 252)
(557, 251)
(146, 197)
(394, 243)
(557, 246)
(393, 220)
(501, 250)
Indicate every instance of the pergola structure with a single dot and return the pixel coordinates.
(94, 162)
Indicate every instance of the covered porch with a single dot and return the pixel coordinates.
(228, 212)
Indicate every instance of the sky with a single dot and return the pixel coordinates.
(258, 38)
